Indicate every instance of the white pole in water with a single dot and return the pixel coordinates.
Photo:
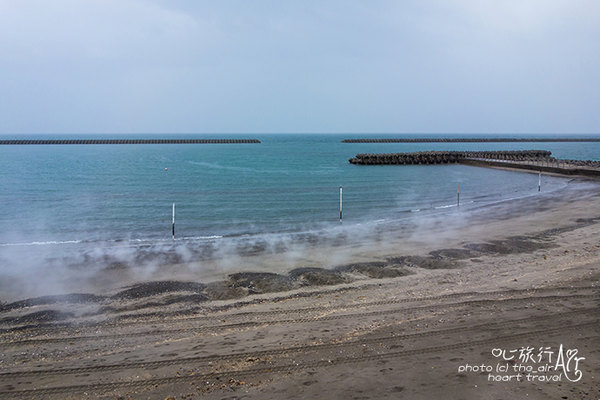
(340, 204)
(540, 183)
(173, 226)
(458, 197)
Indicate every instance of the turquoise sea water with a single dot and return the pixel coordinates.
(67, 199)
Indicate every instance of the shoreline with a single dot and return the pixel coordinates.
(521, 272)
(375, 242)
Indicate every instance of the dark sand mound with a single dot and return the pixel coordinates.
(223, 290)
(190, 298)
(317, 276)
(73, 298)
(261, 282)
(39, 316)
(242, 284)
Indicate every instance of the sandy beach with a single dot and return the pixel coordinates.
(499, 303)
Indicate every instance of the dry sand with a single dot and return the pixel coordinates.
(399, 321)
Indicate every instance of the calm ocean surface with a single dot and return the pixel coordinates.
(91, 196)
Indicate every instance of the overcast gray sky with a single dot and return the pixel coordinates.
(470, 66)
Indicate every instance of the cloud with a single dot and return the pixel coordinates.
(271, 66)
(101, 31)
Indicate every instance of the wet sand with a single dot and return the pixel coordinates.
(396, 318)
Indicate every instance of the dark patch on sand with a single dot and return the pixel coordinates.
(173, 299)
(511, 245)
(375, 269)
(148, 289)
(456, 254)
(248, 249)
(39, 316)
(162, 258)
(580, 223)
(116, 266)
(423, 262)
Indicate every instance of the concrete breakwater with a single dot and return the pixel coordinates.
(551, 166)
(468, 140)
(446, 157)
(527, 160)
(128, 141)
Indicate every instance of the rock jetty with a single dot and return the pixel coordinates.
(526, 160)
(447, 157)
(469, 140)
(129, 141)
